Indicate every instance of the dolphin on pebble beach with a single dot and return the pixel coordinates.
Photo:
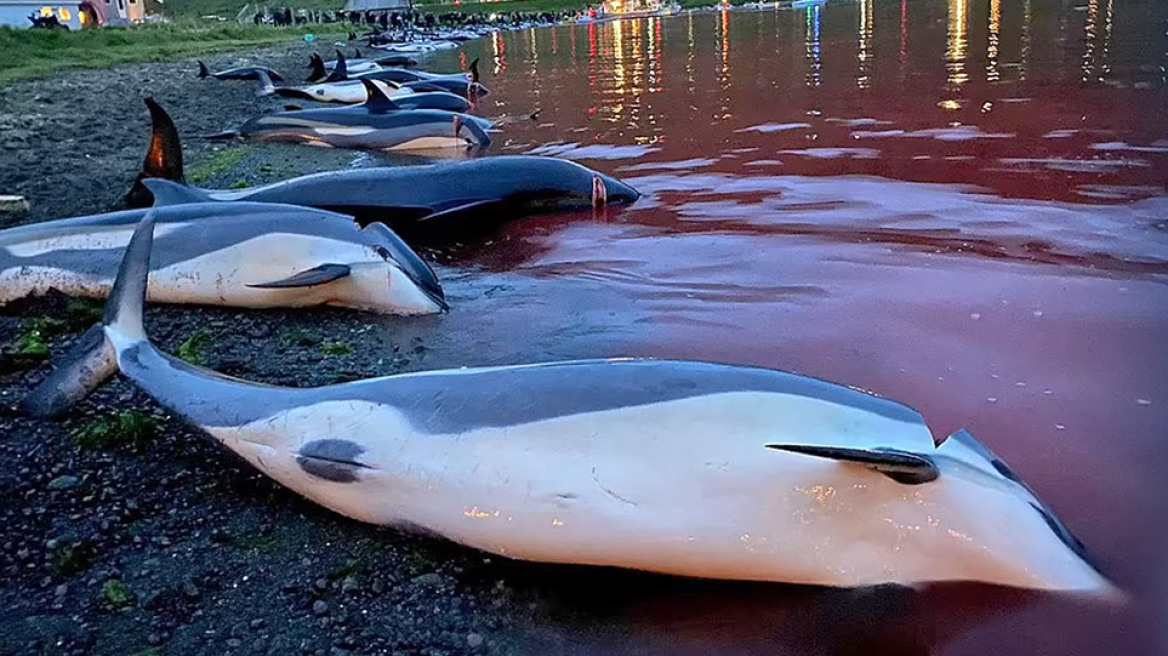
(684, 468)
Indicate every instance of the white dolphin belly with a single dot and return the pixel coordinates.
(683, 487)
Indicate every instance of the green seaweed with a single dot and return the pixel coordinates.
(336, 349)
(130, 429)
(117, 594)
(194, 349)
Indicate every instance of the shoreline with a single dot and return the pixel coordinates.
(205, 555)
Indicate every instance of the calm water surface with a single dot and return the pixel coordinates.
(960, 204)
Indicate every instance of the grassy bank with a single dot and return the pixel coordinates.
(179, 9)
(36, 53)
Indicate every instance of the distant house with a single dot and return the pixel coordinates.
(75, 14)
(120, 11)
(377, 5)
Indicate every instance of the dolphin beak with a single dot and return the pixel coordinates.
(615, 191)
(415, 268)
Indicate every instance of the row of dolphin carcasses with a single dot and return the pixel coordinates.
(334, 246)
(735, 520)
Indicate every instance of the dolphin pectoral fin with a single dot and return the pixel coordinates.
(166, 192)
(332, 460)
(455, 209)
(86, 365)
(318, 275)
(900, 466)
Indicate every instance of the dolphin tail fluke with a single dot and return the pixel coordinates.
(89, 363)
(317, 72)
(164, 158)
(94, 357)
(267, 87)
(124, 311)
(203, 72)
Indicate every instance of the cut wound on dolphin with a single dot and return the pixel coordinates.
(331, 459)
(900, 466)
(318, 275)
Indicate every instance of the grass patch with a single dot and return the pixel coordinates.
(132, 429)
(116, 593)
(336, 349)
(30, 348)
(220, 162)
(81, 313)
(194, 349)
(37, 53)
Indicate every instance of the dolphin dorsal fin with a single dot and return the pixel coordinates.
(376, 98)
(340, 71)
(164, 159)
(203, 72)
(171, 193)
(317, 72)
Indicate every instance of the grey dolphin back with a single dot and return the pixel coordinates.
(166, 192)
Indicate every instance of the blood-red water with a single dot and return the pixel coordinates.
(959, 204)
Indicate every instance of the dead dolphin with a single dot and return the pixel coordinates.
(395, 60)
(339, 86)
(339, 68)
(355, 92)
(395, 74)
(241, 73)
(682, 468)
(368, 127)
(235, 254)
(490, 190)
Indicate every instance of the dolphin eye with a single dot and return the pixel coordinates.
(382, 251)
(320, 92)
